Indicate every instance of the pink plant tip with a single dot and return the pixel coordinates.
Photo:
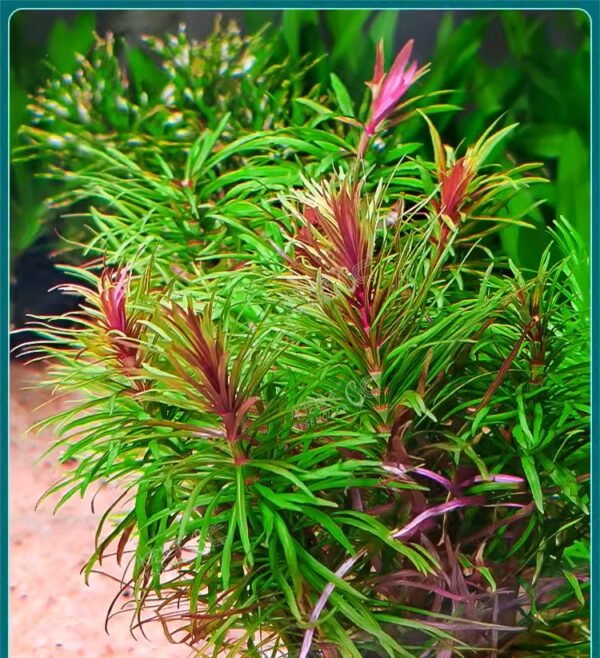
(113, 298)
(388, 89)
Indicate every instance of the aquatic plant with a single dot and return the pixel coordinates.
(342, 425)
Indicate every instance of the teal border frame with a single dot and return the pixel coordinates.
(8, 7)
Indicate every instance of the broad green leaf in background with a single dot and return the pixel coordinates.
(384, 27)
(347, 36)
(18, 106)
(294, 22)
(522, 245)
(65, 42)
(145, 74)
(573, 183)
(255, 19)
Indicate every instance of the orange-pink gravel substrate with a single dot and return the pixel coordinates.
(52, 612)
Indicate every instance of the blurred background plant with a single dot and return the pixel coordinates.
(30, 65)
(531, 66)
(33, 221)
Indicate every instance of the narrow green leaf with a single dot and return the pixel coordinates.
(342, 96)
(533, 478)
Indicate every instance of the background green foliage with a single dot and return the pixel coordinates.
(30, 65)
(542, 85)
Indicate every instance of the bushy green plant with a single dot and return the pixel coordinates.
(342, 424)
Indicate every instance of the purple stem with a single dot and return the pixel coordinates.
(437, 510)
(342, 570)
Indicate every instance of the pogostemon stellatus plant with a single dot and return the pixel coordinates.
(341, 423)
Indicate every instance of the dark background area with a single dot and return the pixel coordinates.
(420, 25)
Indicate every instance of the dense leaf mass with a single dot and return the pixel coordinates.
(343, 425)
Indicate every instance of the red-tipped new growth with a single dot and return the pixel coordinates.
(462, 192)
(454, 184)
(336, 240)
(203, 353)
(388, 89)
(122, 329)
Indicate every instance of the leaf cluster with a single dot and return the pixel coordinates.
(340, 422)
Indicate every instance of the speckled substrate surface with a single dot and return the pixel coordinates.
(52, 612)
